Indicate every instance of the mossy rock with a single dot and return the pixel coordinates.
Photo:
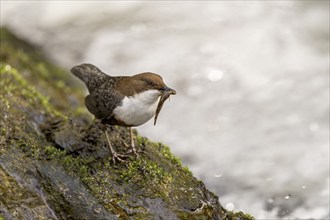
(55, 163)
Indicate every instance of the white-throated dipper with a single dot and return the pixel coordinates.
(122, 100)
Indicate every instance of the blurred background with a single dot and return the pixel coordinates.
(251, 117)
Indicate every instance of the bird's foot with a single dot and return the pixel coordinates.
(133, 150)
(118, 157)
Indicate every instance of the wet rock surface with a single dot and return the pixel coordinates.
(54, 160)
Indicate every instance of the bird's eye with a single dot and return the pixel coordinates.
(149, 82)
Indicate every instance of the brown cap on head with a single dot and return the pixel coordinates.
(142, 82)
(154, 81)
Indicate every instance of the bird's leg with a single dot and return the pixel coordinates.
(132, 139)
(132, 144)
(115, 155)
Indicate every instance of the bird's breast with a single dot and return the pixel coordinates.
(138, 109)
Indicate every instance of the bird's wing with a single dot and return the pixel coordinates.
(102, 104)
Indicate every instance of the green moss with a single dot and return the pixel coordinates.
(52, 152)
(144, 170)
(20, 103)
(140, 140)
(29, 147)
(58, 205)
(30, 63)
(11, 192)
(97, 181)
(99, 175)
(165, 150)
(80, 112)
(195, 216)
(26, 57)
(14, 85)
(238, 216)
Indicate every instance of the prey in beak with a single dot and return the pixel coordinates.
(165, 94)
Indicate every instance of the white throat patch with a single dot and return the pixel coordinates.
(138, 109)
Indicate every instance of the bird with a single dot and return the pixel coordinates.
(127, 101)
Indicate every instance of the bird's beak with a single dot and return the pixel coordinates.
(169, 90)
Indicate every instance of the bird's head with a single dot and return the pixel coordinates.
(152, 81)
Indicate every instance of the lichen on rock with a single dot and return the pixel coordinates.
(55, 163)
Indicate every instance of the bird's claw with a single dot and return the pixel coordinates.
(133, 150)
(119, 158)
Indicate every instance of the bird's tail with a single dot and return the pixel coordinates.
(90, 75)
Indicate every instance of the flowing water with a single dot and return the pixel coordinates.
(251, 117)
